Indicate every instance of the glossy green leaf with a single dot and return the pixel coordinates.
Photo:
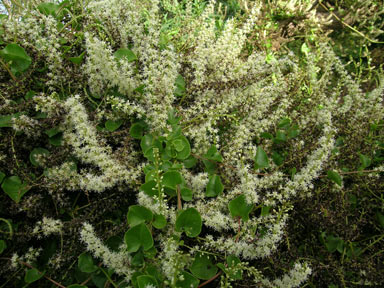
(150, 253)
(112, 125)
(138, 236)
(178, 144)
(293, 132)
(190, 162)
(186, 194)
(29, 95)
(280, 137)
(186, 151)
(154, 272)
(3, 246)
(14, 188)
(20, 59)
(232, 262)
(77, 286)
(334, 176)
(333, 243)
(36, 155)
(265, 210)
(114, 243)
(137, 129)
(138, 259)
(190, 222)
(52, 132)
(77, 60)
(149, 188)
(6, 120)
(189, 281)
(125, 53)
(284, 123)
(85, 263)
(140, 89)
(203, 267)
(261, 159)
(365, 161)
(138, 214)
(146, 142)
(99, 279)
(240, 208)
(277, 158)
(56, 140)
(213, 154)
(48, 8)
(180, 86)
(214, 186)
(159, 221)
(210, 167)
(2, 176)
(171, 179)
(172, 118)
(266, 135)
(32, 275)
(145, 281)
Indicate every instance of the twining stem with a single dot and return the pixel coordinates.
(9, 71)
(45, 276)
(9, 226)
(179, 206)
(349, 26)
(210, 280)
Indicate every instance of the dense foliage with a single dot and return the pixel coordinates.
(164, 143)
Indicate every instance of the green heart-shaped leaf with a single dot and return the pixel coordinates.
(138, 214)
(186, 194)
(202, 267)
(48, 9)
(32, 275)
(180, 86)
(35, 155)
(261, 159)
(138, 236)
(189, 281)
(14, 188)
(145, 281)
(232, 262)
(20, 59)
(77, 60)
(85, 263)
(213, 154)
(171, 179)
(190, 222)
(284, 123)
(334, 176)
(159, 221)
(125, 53)
(365, 161)
(214, 186)
(111, 125)
(184, 153)
(280, 137)
(240, 208)
(149, 188)
(137, 129)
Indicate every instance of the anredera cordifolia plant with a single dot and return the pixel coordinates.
(213, 143)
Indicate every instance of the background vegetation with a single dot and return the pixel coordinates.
(337, 229)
